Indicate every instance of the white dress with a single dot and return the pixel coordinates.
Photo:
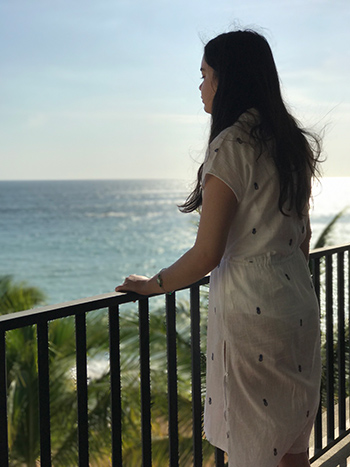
(263, 344)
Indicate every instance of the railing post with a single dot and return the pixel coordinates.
(114, 365)
(145, 383)
(348, 312)
(44, 393)
(4, 456)
(316, 276)
(219, 457)
(196, 378)
(329, 348)
(172, 381)
(341, 344)
(83, 423)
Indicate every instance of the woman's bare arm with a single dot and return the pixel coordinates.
(305, 246)
(218, 208)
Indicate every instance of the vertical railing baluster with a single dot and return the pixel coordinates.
(219, 458)
(114, 365)
(196, 378)
(348, 334)
(172, 380)
(4, 454)
(341, 343)
(329, 348)
(316, 275)
(145, 383)
(82, 394)
(44, 393)
(348, 312)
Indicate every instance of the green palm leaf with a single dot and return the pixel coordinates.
(324, 237)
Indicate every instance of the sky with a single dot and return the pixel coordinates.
(108, 89)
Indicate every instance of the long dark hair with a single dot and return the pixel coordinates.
(247, 78)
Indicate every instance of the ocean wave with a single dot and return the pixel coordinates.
(107, 214)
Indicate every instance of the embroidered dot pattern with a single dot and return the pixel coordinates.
(261, 359)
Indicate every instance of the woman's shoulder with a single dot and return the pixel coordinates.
(240, 130)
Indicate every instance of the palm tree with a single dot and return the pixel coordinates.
(325, 235)
(159, 410)
(22, 373)
(23, 423)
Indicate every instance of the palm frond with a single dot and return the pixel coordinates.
(324, 237)
(18, 296)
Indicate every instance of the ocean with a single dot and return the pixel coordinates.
(76, 239)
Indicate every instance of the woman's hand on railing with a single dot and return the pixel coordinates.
(139, 284)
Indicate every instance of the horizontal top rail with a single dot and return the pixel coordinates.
(327, 251)
(47, 313)
(20, 319)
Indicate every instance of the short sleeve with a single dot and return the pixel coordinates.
(229, 158)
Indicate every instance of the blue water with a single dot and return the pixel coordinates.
(76, 239)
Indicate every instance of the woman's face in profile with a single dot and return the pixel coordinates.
(208, 86)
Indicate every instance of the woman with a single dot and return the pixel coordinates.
(263, 350)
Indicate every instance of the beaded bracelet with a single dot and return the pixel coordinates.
(160, 282)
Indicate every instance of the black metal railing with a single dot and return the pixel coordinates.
(331, 276)
(330, 269)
